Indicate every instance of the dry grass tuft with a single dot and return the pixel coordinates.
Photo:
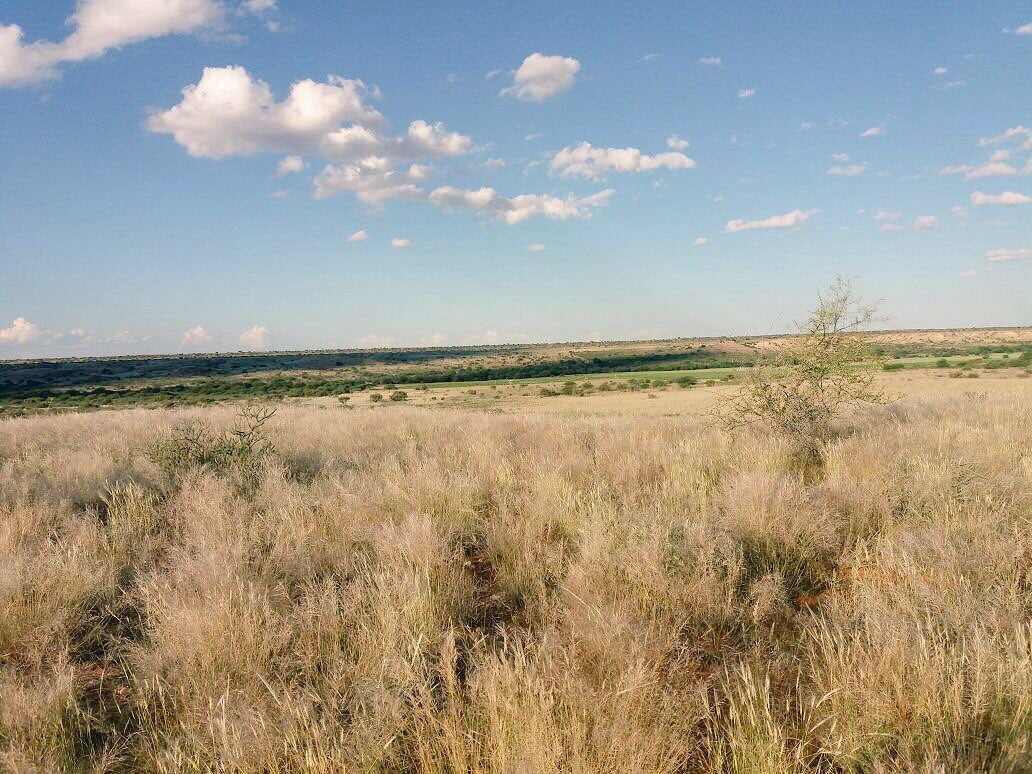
(408, 590)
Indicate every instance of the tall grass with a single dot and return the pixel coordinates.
(445, 591)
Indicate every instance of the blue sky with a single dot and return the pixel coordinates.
(185, 175)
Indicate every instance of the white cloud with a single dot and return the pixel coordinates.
(746, 93)
(940, 71)
(519, 208)
(494, 337)
(1009, 134)
(400, 243)
(676, 143)
(853, 170)
(491, 74)
(593, 163)
(887, 215)
(542, 77)
(359, 236)
(989, 169)
(648, 59)
(532, 136)
(926, 222)
(420, 141)
(1008, 254)
(1024, 29)
(434, 340)
(258, 6)
(536, 247)
(289, 165)
(196, 335)
(967, 273)
(255, 338)
(372, 180)
(700, 241)
(21, 332)
(230, 113)
(712, 61)
(1007, 197)
(840, 156)
(493, 164)
(372, 341)
(788, 220)
(99, 26)
(874, 131)
(888, 228)
(960, 212)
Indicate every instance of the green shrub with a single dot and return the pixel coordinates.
(375, 397)
(399, 395)
(240, 452)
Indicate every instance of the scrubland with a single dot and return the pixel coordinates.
(401, 589)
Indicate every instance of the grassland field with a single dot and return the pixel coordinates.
(52, 386)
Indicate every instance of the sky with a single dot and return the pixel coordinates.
(224, 175)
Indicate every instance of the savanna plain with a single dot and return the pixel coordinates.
(580, 570)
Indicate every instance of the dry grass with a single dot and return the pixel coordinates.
(407, 590)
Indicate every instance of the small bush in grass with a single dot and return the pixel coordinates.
(241, 451)
(376, 397)
(399, 395)
(809, 384)
(686, 380)
(893, 366)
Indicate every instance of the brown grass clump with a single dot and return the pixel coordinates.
(410, 590)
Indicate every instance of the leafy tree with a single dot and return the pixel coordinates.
(810, 382)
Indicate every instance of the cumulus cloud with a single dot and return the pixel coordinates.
(1007, 197)
(536, 247)
(887, 215)
(712, 61)
(494, 337)
(840, 156)
(518, 208)
(1024, 29)
(399, 243)
(21, 332)
(889, 228)
(289, 165)
(359, 236)
(542, 77)
(99, 26)
(926, 222)
(788, 220)
(1009, 254)
(196, 335)
(228, 113)
(676, 143)
(436, 339)
(1015, 132)
(256, 337)
(960, 212)
(940, 71)
(372, 341)
(853, 170)
(995, 167)
(372, 180)
(700, 241)
(746, 93)
(593, 163)
(874, 131)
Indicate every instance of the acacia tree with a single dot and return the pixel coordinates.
(801, 390)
